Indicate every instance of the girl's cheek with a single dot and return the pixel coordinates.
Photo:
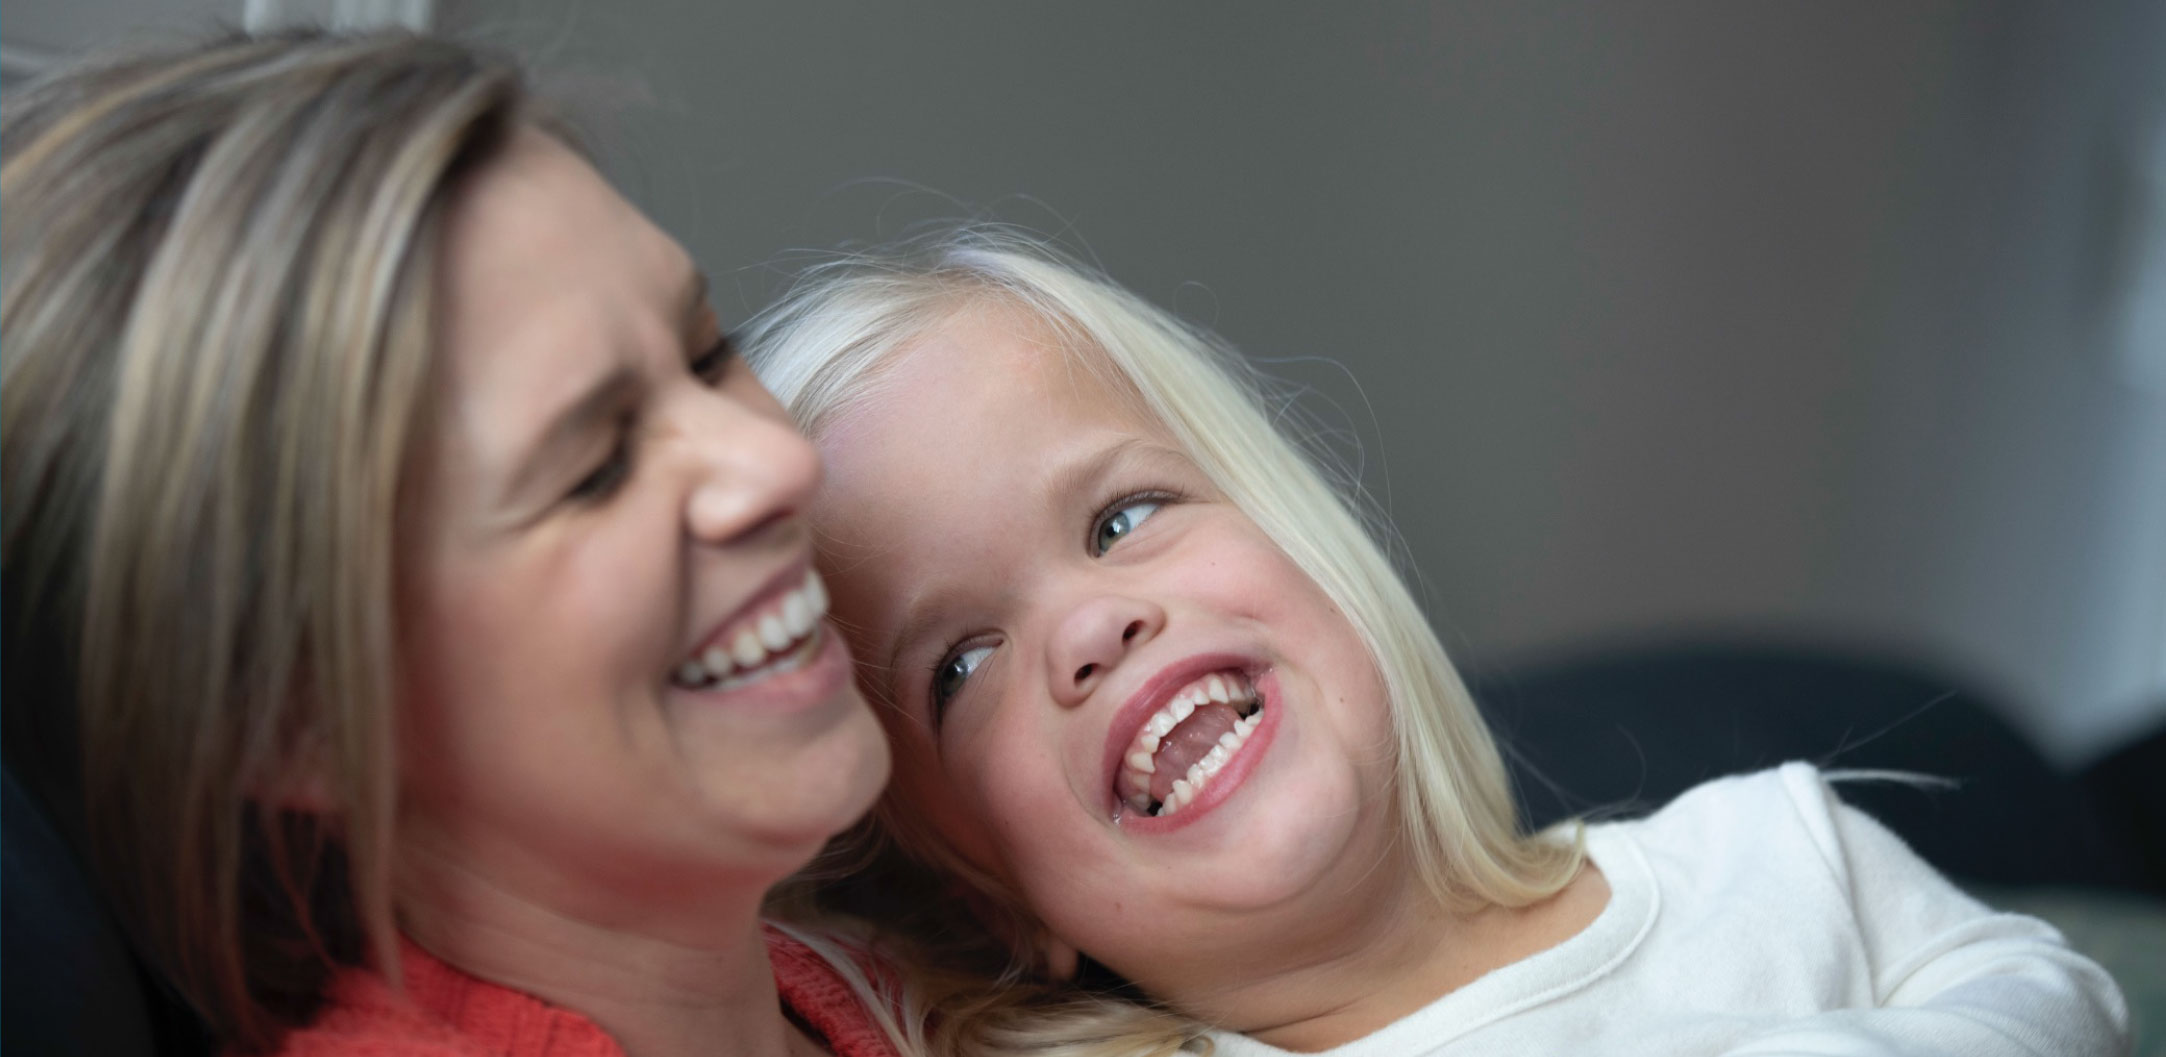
(931, 796)
(916, 781)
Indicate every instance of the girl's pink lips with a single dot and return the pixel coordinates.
(1229, 778)
(1152, 696)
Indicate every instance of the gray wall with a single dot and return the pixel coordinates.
(1673, 318)
(1649, 319)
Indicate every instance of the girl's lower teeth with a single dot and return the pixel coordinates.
(1187, 788)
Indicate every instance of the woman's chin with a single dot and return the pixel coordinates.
(865, 776)
(828, 788)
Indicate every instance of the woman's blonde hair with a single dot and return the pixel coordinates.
(219, 268)
(821, 349)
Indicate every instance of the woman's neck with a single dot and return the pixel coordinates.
(1391, 961)
(660, 990)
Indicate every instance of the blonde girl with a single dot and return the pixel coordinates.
(1158, 699)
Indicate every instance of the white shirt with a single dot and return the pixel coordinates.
(1759, 915)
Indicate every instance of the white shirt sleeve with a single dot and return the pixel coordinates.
(1951, 976)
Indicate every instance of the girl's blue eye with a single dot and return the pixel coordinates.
(1125, 517)
(954, 670)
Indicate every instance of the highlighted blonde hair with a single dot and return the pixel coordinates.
(215, 349)
(821, 349)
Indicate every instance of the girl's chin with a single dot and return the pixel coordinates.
(1279, 838)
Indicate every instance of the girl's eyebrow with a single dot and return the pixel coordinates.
(1083, 475)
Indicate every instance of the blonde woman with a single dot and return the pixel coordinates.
(1158, 700)
(406, 587)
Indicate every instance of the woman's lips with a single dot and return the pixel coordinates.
(813, 674)
(774, 626)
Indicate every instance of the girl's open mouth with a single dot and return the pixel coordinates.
(1187, 742)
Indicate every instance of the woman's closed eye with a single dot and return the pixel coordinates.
(711, 366)
(608, 475)
(951, 673)
(605, 477)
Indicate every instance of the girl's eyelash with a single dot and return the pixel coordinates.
(936, 699)
(936, 706)
(1098, 520)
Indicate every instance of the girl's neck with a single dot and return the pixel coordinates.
(706, 988)
(1396, 961)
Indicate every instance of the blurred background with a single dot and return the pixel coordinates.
(1835, 323)
(1747, 380)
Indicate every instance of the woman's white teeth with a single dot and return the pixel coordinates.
(779, 631)
(771, 634)
(797, 616)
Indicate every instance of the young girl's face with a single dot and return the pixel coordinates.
(1065, 616)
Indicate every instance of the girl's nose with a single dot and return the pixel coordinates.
(1093, 639)
(753, 468)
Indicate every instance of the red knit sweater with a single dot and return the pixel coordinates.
(448, 1013)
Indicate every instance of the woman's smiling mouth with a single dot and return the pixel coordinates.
(774, 638)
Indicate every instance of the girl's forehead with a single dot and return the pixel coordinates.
(981, 439)
(990, 354)
(973, 409)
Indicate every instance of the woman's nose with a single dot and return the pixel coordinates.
(753, 468)
(1092, 640)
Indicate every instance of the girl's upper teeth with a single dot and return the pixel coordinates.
(1139, 763)
(759, 637)
(1191, 785)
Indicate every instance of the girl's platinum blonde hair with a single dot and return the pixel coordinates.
(219, 270)
(821, 349)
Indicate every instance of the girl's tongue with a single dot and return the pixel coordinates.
(1187, 743)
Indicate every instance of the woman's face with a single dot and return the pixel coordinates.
(619, 691)
(1066, 617)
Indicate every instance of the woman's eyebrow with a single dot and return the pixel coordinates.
(695, 305)
(604, 400)
(600, 403)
